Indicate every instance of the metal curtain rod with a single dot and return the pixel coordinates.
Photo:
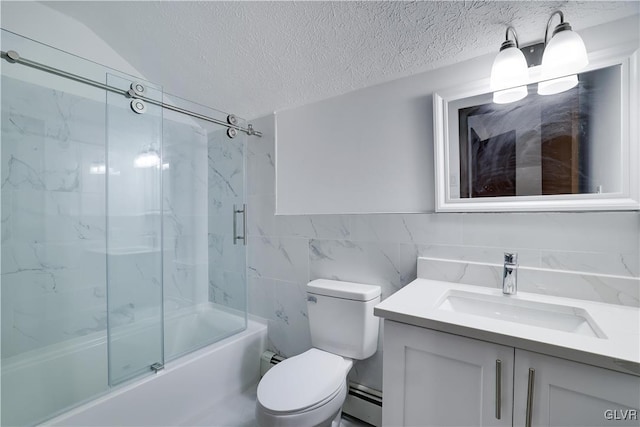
(13, 57)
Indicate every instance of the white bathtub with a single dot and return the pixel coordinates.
(188, 385)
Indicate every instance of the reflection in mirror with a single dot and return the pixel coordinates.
(566, 143)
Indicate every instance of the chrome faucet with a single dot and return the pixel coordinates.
(510, 274)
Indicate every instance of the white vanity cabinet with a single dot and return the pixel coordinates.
(433, 378)
(568, 393)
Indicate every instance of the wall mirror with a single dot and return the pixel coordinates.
(571, 151)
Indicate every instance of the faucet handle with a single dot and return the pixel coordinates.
(510, 258)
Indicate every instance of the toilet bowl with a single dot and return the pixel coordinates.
(305, 390)
(308, 390)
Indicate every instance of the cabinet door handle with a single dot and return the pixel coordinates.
(532, 378)
(498, 389)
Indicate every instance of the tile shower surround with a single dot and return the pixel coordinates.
(285, 252)
(53, 214)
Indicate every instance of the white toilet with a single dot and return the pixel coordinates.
(308, 390)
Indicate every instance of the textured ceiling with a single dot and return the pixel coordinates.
(252, 58)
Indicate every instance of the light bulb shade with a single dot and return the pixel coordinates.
(564, 54)
(510, 95)
(509, 69)
(553, 86)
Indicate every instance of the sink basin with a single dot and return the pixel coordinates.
(551, 316)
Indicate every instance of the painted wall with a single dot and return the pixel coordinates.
(373, 144)
(285, 252)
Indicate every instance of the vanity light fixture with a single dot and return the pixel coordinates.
(563, 55)
(509, 72)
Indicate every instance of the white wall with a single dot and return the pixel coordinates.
(371, 150)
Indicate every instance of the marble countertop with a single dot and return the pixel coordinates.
(418, 304)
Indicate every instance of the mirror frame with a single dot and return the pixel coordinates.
(626, 56)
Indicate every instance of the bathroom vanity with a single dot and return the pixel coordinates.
(458, 354)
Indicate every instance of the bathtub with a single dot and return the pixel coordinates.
(187, 385)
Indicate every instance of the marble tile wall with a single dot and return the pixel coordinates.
(53, 216)
(226, 188)
(285, 252)
(607, 288)
(185, 210)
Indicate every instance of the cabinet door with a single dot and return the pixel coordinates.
(568, 393)
(432, 378)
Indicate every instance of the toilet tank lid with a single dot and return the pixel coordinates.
(346, 290)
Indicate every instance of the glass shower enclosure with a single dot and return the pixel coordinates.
(118, 246)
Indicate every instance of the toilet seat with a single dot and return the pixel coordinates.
(321, 415)
(303, 383)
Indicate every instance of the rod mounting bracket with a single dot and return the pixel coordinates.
(13, 56)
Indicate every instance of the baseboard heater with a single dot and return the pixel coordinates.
(362, 402)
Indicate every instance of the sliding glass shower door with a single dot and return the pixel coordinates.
(134, 230)
(204, 268)
(175, 197)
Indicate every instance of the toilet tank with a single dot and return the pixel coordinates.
(341, 317)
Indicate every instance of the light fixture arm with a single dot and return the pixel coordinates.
(560, 56)
(515, 35)
(546, 31)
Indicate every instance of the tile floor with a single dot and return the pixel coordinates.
(238, 411)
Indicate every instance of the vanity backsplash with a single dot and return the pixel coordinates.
(605, 288)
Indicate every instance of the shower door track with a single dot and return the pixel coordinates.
(13, 57)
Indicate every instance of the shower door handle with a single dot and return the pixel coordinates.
(242, 211)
